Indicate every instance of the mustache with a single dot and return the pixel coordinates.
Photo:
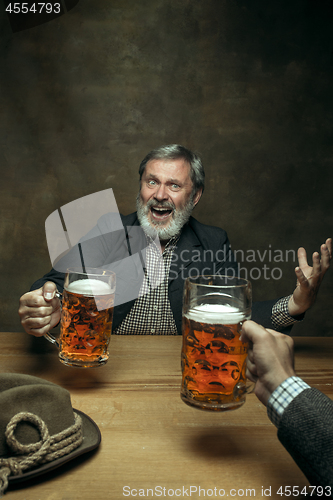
(161, 204)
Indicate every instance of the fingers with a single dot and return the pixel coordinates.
(251, 368)
(257, 334)
(251, 331)
(37, 298)
(326, 254)
(316, 263)
(37, 327)
(49, 290)
(301, 278)
(320, 261)
(40, 325)
(38, 315)
(40, 312)
(289, 341)
(270, 358)
(251, 376)
(302, 257)
(36, 321)
(320, 264)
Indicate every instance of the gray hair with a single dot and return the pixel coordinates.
(175, 152)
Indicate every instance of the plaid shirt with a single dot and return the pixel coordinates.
(283, 396)
(280, 314)
(151, 313)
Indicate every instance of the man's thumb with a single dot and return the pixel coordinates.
(49, 289)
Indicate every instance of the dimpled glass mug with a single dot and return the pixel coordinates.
(213, 357)
(86, 317)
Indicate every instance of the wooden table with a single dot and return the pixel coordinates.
(150, 438)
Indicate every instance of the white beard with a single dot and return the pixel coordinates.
(174, 226)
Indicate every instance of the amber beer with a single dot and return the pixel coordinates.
(86, 321)
(213, 357)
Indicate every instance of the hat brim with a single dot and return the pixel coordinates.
(92, 439)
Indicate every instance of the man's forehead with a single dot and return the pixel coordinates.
(172, 168)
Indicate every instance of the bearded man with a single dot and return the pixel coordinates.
(171, 184)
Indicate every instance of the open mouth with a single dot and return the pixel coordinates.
(160, 213)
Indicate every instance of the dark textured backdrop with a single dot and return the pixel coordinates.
(248, 84)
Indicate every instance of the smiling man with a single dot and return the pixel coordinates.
(167, 196)
(171, 184)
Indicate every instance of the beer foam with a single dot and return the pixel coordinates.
(89, 287)
(215, 314)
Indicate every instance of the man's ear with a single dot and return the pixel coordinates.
(197, 196)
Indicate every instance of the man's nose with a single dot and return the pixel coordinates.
(161, 193)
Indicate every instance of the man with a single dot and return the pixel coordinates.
(302, 415)
(171, 184)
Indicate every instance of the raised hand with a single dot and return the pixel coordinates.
(309, 278)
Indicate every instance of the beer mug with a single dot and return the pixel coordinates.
(213, 357)
(86, 317)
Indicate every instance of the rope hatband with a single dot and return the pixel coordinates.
(46, 450)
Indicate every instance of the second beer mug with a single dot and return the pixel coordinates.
(213, 357)
(86, 317)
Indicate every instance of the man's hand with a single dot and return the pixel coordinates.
(270, 358)
(309, 278)
(40, 310)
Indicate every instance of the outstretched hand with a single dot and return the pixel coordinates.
(309, 278)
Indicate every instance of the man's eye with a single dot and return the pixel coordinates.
(175, 186)
(151, 182)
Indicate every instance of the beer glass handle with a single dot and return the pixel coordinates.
(250, 386)
(52, 339)
(49, 336)
(242, 388)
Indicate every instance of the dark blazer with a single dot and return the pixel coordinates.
(306, 431)
(201, 249)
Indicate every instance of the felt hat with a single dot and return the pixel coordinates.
(39, 429)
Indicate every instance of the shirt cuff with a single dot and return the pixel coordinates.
(280, 314)
(283, 396)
